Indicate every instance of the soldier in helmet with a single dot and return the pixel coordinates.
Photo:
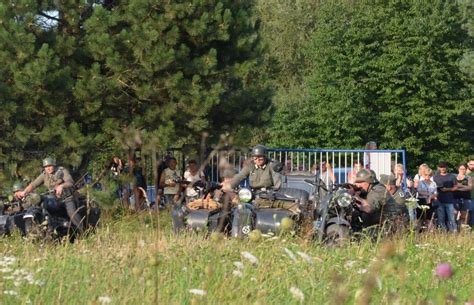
(374, 201)
(57, 180)
(260, 171)
(30, 200)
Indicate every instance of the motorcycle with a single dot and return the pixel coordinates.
(332, 216)
(207, 213)
(11, 217)
(50, 222)
(266, 211)
(47, 220)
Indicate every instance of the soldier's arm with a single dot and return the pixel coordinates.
(67, 179)
(276, 177)
(244, 173)
(36, 183)
(363, 205)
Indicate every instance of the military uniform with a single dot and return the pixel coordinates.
(31, 200)
(259, 177)
(384, 209)
(60, 176)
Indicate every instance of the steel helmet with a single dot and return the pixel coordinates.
(364, 175)
(259, 150)
(18, 186)
(49, 161)
(374, 176)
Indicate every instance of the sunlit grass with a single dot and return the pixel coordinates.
(135, 259)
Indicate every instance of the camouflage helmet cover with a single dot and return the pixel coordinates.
(49, 161)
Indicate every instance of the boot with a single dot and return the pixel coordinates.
(73, 214)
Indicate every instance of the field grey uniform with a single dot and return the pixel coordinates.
(61, 176)
(385, 210)
(259, 177)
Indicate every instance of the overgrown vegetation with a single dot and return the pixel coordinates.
(137, 259)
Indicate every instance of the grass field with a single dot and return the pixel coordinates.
(135, 259)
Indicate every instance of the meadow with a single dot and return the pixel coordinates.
(135, 259)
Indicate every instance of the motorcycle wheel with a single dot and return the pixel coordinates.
(336, 234)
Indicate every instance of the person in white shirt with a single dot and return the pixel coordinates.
(193, 175)
(168, 181)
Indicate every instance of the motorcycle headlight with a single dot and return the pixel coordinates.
(245, 195)
(344, 199)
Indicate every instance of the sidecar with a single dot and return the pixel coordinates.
(251, 215)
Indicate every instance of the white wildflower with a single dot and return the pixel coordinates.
(362, 271)
(6, 270)
(237, 273)
(297, 293)
(305, 256)
(104, 300)
(197, 291)
(349, 264)
(249, 256)
(10, 292)
(239, 265)
(7, 260)
(290, 254)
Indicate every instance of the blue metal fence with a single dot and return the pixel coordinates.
(303, 161)
(339, 161)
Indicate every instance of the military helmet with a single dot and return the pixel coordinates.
(259, 150)
(364, 175)
(374, 176)
(18, 186)
(49, 161)
(388, 179)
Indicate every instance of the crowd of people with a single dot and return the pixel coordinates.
(433, 197)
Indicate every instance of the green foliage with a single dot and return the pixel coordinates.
(77, 78)
(384, 71)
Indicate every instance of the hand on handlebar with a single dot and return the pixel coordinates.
(20, 194)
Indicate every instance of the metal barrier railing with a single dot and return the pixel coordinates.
(341, 162)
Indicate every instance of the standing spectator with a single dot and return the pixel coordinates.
(399, 172)
(327, 173)
(447, 185)
(421, 174)
(352, 174)
(169, 178)
(140, 181)
(371, 145)
(463, 194)
(427, 195)
(470, 172)
(116, 166)
(193, 175)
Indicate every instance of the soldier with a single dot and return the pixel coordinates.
(28, 201)
(57, 180)
(374, 201)
(260, 172)
(397, 193)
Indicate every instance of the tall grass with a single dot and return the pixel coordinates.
(135, 259)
